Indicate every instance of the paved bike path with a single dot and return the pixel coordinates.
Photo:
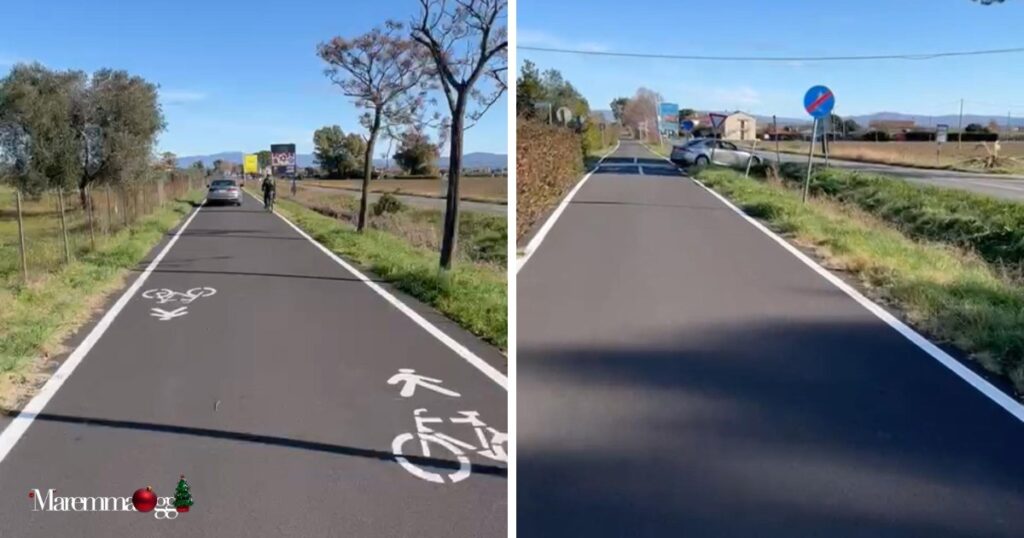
(681, 374)
(271, 396)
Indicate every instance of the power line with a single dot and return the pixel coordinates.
(924, 56)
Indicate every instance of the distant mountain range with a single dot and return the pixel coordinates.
(469, 160)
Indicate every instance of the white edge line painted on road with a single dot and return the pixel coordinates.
(432, 329)
(19, 425)
(535, 242)
(999, 397)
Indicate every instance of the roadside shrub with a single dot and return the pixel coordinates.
(991, 227)
(386, 204)
(548, 163)
(876, 136)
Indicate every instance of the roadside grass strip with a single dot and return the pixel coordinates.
(474, 295)
(34, 319)
(944, 290)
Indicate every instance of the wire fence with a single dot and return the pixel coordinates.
(42, 233)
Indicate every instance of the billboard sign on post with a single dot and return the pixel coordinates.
(250, 164)
(282, 159)
(941, 133)
(668, 118)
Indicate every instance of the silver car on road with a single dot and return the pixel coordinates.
(224, 191)
(699, 152)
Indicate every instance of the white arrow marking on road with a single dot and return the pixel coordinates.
(164, 315)
(412, 380)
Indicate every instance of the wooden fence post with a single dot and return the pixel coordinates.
(21, 236)
(63, 225)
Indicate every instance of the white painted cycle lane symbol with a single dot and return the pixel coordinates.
(489, 443)
(168, 296)
(428, 442)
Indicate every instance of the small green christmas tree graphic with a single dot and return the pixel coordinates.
(182, 496)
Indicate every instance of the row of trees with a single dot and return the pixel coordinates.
(343, 155)
(69, 130)
(539, 94)
(457, 48)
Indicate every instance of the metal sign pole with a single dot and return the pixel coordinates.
(775, 129)
(810, 160)
(824, 137)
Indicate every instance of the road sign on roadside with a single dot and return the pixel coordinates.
(941, 133)
(717, 120)
(819, 101)
(688, 125)
(564, 115)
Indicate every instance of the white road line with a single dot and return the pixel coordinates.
(535, 242)
(989, 390)
(13, 432)
(493, 373)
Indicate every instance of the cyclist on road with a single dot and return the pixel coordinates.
(269, 191)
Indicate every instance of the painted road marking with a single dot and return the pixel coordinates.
(165, 315)
(537, 239)
(491, 445)
(165, 295)
(410, 380)
(1001, 399)
(454, 345)
(13, 432)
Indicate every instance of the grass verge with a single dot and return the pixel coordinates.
(946, 292)
(34, 319)
(473, 294)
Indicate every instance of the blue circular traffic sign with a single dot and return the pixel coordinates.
(688, 125)
(819, 101)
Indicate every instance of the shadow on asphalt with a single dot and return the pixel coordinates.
(660, 168)
(780, 428)
(640, 204)
(276, 275)
(492, 470)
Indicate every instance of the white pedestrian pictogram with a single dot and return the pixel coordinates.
(164, 315)
(411, 380)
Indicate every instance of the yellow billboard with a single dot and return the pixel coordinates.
(250, 164)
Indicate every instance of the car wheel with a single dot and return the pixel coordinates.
(702, 161)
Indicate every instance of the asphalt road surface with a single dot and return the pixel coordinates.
(272, 397)
(681, 374)
(1008, 187)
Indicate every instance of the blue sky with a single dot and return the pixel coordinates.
(235, 75)
(990, 84)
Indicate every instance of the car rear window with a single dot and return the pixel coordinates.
(223, 183)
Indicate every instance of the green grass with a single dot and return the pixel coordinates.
(35, 318)
(991, 227)
(474, 295)
(947, 292)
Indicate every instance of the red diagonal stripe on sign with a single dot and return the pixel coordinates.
(819, 101)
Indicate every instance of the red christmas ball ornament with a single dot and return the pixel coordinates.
(144, 499)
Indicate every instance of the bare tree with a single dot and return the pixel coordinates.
(387, 74)
(641, 109)
(468, 42)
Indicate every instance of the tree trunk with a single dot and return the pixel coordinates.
(368, 170)
(449, 239)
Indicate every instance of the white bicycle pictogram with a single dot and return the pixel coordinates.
(491, 445)
(164, 295)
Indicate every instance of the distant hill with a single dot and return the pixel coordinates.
(469, 160)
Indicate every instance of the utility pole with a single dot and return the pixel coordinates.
(960, 128)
